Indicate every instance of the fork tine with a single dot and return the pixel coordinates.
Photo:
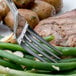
(40, 38)
(41, 46)
(25, 46)
(39, 50)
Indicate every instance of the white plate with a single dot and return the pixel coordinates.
(4, 30)
(68, 5)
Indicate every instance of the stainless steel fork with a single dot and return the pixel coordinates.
(29, 39)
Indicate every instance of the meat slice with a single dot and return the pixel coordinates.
(63, 27)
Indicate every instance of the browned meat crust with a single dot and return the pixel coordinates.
(62, 27)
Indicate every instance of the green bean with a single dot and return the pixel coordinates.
(72, 72)
(68, 60)
(67, 51)
(13, 47)
(10, 65)
(30, 57)
(11, 72)
(38, 65)
(49, 38)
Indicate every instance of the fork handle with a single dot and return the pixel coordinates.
(14, 11)
(12, 6)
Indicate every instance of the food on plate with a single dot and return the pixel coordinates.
(56, 3)
(71, 14)
(62, 27)
(29, 15)
(23, 3)
(30, 64)
(58, 30)
(43, 9)
(9, 39)
(3, 9)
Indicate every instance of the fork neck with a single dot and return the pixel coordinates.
(14, 11)
(12, 6)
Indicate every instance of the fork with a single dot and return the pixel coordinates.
(29, 39)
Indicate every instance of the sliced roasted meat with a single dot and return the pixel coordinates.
(62, 27)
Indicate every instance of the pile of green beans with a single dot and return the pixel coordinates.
(37, 65)
(11, 72)
(67, 51)
(15, 62)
